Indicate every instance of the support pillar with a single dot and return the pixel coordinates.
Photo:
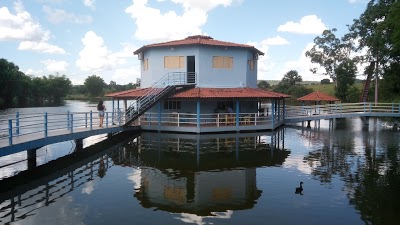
(79, 144)
(308, 123)
(31, 155)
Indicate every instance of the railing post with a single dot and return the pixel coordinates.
(45, 125)
(85, 120)
(341, 107)
(106, 119)
(178, 119)
(10, 136)
(91, 120)
(392, 107)
(72, 123)
(218, 120)
(17, 123)
(364, 107)
(68, 120)
(370, 107)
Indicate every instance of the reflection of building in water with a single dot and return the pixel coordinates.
(203, 174)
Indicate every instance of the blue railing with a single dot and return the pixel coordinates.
(44, 123)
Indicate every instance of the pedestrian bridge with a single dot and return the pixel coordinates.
(22, 132)
(295, 114)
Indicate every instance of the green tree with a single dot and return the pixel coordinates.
(58, 87)
(94, 85)
(292, 77)
(10, 83)
(346, 76)
(263, 85)
(329, 52)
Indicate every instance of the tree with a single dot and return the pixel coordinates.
(346, 76)
(58, 87)
(10, 83)
(94, 85)
(330, 51)
(263, 85)
(292, 77)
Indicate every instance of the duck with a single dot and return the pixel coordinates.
(299, 190)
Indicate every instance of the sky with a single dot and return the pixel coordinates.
(80, 38)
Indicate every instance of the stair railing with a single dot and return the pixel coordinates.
(159, 89)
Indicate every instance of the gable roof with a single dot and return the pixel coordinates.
(318, 96)
(197, 40)
(206, 93)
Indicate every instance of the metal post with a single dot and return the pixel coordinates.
(106, 119)
(72, 123)
(91, 120)
(17, 123)
(10, 136)
(198, 113)
(85, 120)
(370, 107)
(237, 114)
(113, 111)
(45, 124)
(68, 120)
(364, 107)
(273, 113)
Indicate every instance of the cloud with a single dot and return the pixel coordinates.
(153, 25)
(33, 72)
(310, 24)
(126, 75)
(57, 16)
(278, 40)
(55, 66)
(40, 47)
(96, 56)
(357, 1)
(21, 27)
(89, 3)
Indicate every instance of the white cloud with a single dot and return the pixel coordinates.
(33, 72)
(89, 3)
(153, 25)
(21, 27)
(310, 24)
(302, 65)
(40, 47)
(55, 66)
(126, 75)
(357, 1)
(57, 16)
(278, 40)
(96, 56)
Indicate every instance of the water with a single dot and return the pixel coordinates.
(350, 174)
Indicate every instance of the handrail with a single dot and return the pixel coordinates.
(159, 89)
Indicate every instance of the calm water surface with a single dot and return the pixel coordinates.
(350, 175)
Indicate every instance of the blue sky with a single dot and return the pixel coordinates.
(80, 38)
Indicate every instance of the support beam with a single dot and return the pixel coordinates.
(31, 156)
(198, 115)
(79, 144)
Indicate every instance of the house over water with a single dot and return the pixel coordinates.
(200, 85)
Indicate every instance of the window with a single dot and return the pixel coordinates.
(225, 62)
(145, 64)
(251, 63)
(172, 105)
(173, 62)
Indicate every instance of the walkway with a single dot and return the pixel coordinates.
(31, 131)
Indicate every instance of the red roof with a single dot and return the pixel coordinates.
(318, 96)
(197, 40)
(207, 93)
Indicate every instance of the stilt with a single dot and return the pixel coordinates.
(31, 158)
(308, 123)
(79, 144)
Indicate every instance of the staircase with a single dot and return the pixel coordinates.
(370, 72)
(161, 89)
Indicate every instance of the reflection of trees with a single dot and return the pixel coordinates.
(372, 178)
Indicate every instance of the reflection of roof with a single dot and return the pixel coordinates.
(318, 96)
(197, 40)
(206, 93)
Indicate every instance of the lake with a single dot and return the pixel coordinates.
(350, 174)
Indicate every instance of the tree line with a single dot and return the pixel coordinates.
(373, 40)
(20, 90)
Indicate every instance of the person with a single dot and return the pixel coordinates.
(101, 108)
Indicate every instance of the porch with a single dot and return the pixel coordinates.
(208, 123)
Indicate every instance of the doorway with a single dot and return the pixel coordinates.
(191, 70)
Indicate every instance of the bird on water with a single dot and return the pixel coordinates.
(299, 190)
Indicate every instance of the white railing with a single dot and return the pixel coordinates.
(43, 123)
(157, 90)
(205, 120)
(342, 108)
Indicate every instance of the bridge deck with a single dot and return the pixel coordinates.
(37, 140)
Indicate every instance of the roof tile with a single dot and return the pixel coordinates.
(318, 96)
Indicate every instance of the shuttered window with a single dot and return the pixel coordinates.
(225, 62)
(174, 62)
(145, 64)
